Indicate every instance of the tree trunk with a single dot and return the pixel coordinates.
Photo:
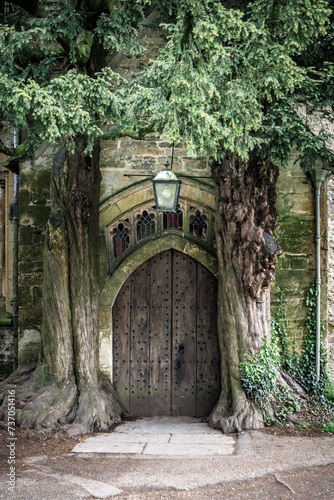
(67, 384)
(247, 253)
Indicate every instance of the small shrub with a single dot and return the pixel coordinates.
(329, 391)
(328, 427)
(303, 425)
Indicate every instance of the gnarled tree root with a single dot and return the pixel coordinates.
(245, 417)
(42, 404)
(98, 408)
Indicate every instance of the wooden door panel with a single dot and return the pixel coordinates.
(166, 355)
(160, 335)
(184, 335)
(208, 354)
(121, 344)
(139, 342)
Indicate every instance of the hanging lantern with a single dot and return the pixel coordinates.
(166, 188)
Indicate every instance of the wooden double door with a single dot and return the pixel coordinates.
(166, 358)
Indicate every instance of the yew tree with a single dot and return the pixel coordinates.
(233, 82)
(56, 85)
(239, 80)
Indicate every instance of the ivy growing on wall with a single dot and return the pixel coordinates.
(262, 375)
(302, 367)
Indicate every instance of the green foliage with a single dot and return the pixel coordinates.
(120, 30)
(293, 23)
(231, 77)
(229, 80)
(328, 427)
(329, 391)
(259, 380)
(67, 106)
(303, 368)
(302, 425)
(54, 79)
(259, 372)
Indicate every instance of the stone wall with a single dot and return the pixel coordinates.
(6, 258)
(295, 235)
(129, 163)
(33, 215)
(6, 350)
(296, 269)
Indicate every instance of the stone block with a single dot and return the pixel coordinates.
(37, 295)
(105, 317)
(301, 204)
(30, 316)
(285, 263)
(109, 145)
(24, 197)
(294, 279)
(29, 345)
(34, 215)
(6, 351)
(139, 163)
(300, 263)
(295, 226)
(31, 253)
(300, 245)
(296, 313)
(26, 234)
(191, 164)
(25, 291)
(298, 185)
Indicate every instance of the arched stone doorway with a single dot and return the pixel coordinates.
(166, 358)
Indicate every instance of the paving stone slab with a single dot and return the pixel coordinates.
(181, 429)
(172, 425)
(163, 436)
(204, 438)
(131, 437)
(96, 489)
(184, 449)
(108, 447)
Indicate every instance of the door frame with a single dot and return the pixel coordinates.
(171, 240)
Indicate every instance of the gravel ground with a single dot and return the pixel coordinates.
(282, 463)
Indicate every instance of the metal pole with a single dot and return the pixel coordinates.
(318, 177)
(15, 301)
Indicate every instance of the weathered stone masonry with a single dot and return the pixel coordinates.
(125, 165)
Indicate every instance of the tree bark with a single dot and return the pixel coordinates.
(67, 387)
(246, 217)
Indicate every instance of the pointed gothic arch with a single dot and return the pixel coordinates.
(117, 217)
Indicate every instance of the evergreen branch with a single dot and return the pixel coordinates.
(134, 134)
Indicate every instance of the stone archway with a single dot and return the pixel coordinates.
(122, 273)
(165, 343)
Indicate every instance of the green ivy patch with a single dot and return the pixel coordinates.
(260, 373)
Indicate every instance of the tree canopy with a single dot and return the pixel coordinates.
(235, 80)
(232, 76)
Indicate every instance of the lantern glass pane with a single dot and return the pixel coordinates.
(165, 195)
